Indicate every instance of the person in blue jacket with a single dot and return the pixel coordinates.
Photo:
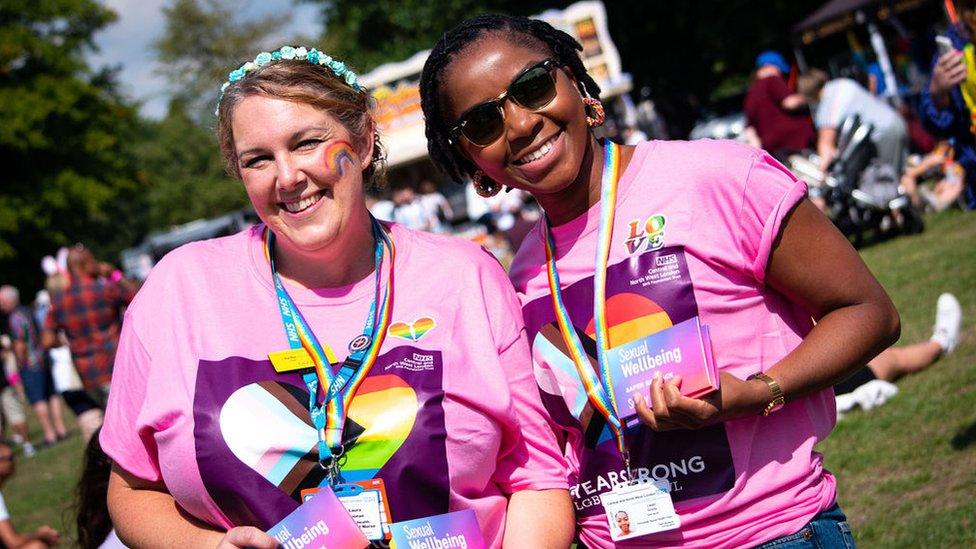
(943, 109)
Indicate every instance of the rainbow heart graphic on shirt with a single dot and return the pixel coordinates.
(629, 316)
(412, 330)
(285, 451)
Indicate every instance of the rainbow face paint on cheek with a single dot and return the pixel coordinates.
(337, 153)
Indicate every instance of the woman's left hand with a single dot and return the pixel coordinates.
(669, 409)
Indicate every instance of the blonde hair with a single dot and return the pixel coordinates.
(310, 84)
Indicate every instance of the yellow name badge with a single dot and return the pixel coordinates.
(291, 360)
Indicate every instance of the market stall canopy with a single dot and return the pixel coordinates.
(839, 15)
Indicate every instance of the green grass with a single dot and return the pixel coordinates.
(42, 488)
(906, 472)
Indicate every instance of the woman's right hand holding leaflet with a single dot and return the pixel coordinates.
(669, 410)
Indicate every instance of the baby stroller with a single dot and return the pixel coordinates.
(862, 193)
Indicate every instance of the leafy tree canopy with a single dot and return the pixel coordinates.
(202, 42)
(178, 156)
(180, 162)
(67, 172)
(368, 34)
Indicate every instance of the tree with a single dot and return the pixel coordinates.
(184, 175)
(367, 34)
(68, 172)
(202, 42)
(179, 160)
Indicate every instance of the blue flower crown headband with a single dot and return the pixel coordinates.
(312, 55)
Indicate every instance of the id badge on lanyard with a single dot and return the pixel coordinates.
(639, 509)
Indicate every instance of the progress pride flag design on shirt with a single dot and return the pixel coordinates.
(257, 448)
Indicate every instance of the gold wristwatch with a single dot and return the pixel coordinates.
(778, 399)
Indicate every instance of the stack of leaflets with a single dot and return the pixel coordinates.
(684, 349)
(321, 521)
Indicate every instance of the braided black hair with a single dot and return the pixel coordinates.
(526, 32)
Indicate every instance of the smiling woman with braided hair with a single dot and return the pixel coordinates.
(709, 230)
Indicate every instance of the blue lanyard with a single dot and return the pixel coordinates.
(336, 387)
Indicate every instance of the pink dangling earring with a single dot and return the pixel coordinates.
(596, 108)
(595, 115)
(485, 187)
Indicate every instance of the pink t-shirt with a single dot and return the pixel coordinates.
(449, 416)
(695, 225)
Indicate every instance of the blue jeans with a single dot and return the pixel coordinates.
(38, 384)
(826, 530)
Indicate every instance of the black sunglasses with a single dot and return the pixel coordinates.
(533, 89)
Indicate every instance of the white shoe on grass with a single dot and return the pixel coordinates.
(948, 318)
(866, 397)
(874, 393)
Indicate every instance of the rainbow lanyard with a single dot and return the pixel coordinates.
(339, 389)
(598, 389)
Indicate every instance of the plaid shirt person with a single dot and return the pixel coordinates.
(89, 312)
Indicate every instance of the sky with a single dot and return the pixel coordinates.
(127, 43)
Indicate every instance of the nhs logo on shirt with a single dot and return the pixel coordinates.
(646, 235)
(416, 361)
